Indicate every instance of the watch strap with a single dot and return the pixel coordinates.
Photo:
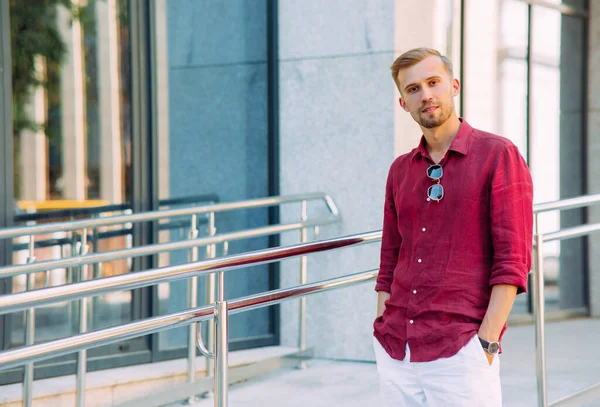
(486, 345)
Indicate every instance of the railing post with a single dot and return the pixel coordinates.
(29, 332)
(303, 280)
(221, 274)
(192, 303)
(539, 302)
(96, 267)
(83, 319)
(221, 353)
(210, 294)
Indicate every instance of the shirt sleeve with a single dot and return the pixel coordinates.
(511, 211)
(391, 240)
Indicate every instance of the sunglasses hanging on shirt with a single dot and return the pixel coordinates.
(436, 191)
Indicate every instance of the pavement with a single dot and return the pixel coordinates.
(572, 363)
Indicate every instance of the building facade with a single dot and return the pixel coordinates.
(136, 102)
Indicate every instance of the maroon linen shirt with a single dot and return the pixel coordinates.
(439, 260)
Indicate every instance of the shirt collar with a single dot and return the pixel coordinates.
(460, 144)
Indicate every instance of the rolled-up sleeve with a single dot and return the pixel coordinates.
(391, 239)
(511, 211)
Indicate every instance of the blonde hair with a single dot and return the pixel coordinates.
(413, 57)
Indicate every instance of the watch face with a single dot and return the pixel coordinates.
(493, 347)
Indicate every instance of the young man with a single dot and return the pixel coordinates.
(456, 249)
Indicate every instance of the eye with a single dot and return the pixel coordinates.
(413, 89)
(434, 82)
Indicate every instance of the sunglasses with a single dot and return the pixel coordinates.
(436, 191)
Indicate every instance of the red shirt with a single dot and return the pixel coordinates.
(439, 260)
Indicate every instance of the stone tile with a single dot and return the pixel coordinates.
(204, 33)
(321, 29)
(336, 136)
(219, 144)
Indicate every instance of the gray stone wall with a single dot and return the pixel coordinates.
(218, 130)
(336, 136)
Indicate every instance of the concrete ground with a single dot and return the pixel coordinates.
(573, 364)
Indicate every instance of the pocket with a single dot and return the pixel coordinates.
(480, 353)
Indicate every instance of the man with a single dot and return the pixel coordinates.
(456, 249)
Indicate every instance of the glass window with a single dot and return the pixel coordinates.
(557, 139)
(552, 140)
(72, 138)
(512, 74)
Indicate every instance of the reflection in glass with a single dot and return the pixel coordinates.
(72, 133)
(554, 143)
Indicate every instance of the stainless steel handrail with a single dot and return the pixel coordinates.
(565, 204)
(169, 213)
(60, 347)
(80, 257)
(124, 282)
(36, 298)
(100, 257)
(538, 278)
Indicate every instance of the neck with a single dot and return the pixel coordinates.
(440, 138)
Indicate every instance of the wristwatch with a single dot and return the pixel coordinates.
(490, 347)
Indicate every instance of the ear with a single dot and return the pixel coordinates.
(403, 104)
(455, 87)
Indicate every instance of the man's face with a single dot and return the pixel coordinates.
(428, 92)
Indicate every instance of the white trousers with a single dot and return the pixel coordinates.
(463, 380)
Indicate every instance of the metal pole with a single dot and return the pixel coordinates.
(192, 303)
(96, 268)
(221, 294)
(539, 318)
(29, 333)
(210, 294)
(221, 353)
(83, 319)
(303, 280)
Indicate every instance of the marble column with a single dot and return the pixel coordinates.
(72, 107)
(33, 144)
(109, 102)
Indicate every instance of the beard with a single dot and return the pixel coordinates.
(439, 117)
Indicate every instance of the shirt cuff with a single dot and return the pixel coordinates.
(383, 287)
(517, 278)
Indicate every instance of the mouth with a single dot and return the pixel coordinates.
(429, 109)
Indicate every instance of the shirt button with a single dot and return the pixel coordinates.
(414, 291)
(411, 321)
(424, 229)
(419, 260)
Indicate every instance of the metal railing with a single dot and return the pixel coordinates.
(82, 258)
(220, 310)
(538, 284)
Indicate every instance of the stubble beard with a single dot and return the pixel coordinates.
(437, 119)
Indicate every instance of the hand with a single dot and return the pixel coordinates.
(490, 358)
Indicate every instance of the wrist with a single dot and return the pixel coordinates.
(488, 335)
(491, 347)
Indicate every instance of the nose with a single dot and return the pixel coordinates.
(426, 95)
